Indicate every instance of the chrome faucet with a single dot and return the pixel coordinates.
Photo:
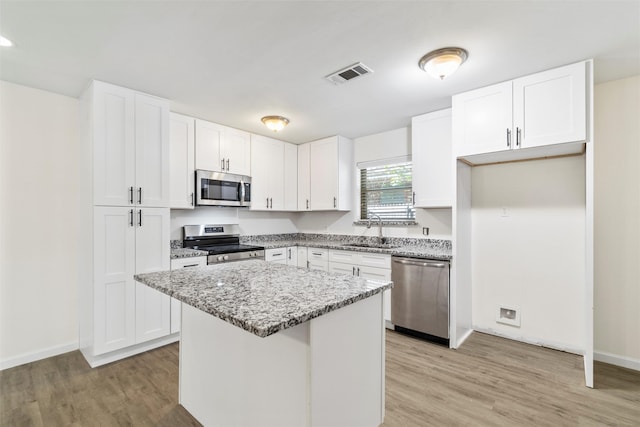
(380, 238)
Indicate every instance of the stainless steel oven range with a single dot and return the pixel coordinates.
(222, 241)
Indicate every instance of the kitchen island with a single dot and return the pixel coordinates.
(264, 344)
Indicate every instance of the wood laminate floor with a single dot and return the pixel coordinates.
(490, 381)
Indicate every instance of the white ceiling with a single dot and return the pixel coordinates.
(233, 62)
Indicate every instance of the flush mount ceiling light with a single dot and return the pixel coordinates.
(275, 123)
(443, 62)
(5, 42)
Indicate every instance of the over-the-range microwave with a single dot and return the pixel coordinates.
(222, 189)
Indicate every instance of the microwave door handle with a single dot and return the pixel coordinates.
(241, 192)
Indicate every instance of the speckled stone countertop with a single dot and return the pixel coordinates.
(186, 253)
(261, 297)
(398, 246)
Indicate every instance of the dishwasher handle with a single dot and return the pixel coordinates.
(419, 263)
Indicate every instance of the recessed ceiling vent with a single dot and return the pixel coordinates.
(349, 73)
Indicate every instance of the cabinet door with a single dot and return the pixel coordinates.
(114, 287)
(176, 305)
(482, 120)
(302, 257)
(260, 158)
(292, 255)
(324, 174)
(290, 177)
(235, 150)
(304, 177)
(380, 274)
(153, 310)
(113, 145)
(432, 162)
(208, 139)
(275, 175)
(550, 107)
(348, 269)
(182, 144)
(152, 151)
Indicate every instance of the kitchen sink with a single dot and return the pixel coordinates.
(370, 245)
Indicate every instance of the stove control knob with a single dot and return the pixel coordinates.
(226, 257)
(219, 259)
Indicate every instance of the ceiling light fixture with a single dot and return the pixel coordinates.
(5, 42)
(275, 123)
(443, 62)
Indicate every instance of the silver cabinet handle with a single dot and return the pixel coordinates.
(420, 263)
(353, 271)
(278, 254)
(518, 133)
(414, 198)
(131, 215)
(307, 264)
(189, 265)
(227, 165)
(222, 167)
(140, 218)
(192, 201)
(307, 203)
(335, 202)
(267, 203)
(358, 271)
(271, 203)
(139, 195)
(508, 138)
(130, 195)
(316, 253)
(289, 253)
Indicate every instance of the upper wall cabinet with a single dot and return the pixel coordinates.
(273, 174)
(304, 177)
(539, 110)
(331, 174)
(222, 149)
(130, 134)
(182, 149)
(431, 156)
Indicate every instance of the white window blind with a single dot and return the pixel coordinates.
(387, 191)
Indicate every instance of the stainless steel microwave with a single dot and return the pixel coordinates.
(222, 189)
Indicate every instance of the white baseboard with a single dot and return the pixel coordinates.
(614, 359)
(37, 355)
(532, 340)
(103, 359)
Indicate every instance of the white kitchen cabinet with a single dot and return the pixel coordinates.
(182, 149)
(292, 256)
(318, 259)
(290, 168)
(539, 110)
(331, 174)
(130, 139)
(301, 257)
(267, 173)
(431, 157)
(176, 307)
(277, 255)
(128, 241)
(304, 177)
(222, 149)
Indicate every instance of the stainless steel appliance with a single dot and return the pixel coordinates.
(222, 241)
(420, 298)
(222, 189)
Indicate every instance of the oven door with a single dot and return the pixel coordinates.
(222, 189)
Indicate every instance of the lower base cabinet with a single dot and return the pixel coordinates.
(176, 307)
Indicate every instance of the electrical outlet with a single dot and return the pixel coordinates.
(504, 212)
(508, 315)
(425, 231)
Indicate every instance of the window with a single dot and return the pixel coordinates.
(386, 191)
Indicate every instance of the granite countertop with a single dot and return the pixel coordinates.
(186, 253)
(261, 297)
(427, 252)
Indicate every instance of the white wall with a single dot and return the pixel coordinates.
(390, 144)
(617, 222)
(533, 258)
(39, 180)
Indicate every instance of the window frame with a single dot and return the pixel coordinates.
(363, 214)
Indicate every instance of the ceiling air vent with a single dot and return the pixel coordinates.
(351, 72)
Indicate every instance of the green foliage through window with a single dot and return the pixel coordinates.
(387, 191)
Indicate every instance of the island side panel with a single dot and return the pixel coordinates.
(347, 366)
(230, 377)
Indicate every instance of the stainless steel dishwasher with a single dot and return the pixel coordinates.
(420, 298)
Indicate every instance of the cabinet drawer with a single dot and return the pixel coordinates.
(272, 255)
(374, 260)
(315, 254)
(347, 257)
(197, 261)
